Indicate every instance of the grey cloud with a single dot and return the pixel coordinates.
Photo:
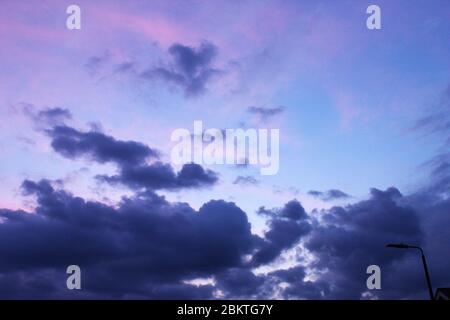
(191, 68)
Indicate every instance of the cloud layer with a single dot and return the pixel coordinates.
(147, 247)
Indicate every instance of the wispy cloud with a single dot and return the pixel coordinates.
(332, 194)
(245, 180)
(264, 113)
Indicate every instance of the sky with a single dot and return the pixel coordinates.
(85, 148)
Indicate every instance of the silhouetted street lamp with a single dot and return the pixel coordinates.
(425, 267)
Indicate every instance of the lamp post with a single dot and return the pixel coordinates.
(424, 261)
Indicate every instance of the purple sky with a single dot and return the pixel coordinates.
(359, 111)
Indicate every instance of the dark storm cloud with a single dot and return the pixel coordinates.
(245, 180)
(161, 176)
(432, 201)
(99, 147)
(283, 234)
(147, 247)
(240, 283)
(286, 227)
(191, 68)
(265, 113)
(144, 246)
(436, 226)
(351, 238)
(298, 285)
(192, 174)
(292, 210)
(332, 194)
(130, 156)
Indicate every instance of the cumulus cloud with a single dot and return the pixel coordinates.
(97, 146)
(145, 246)
(286, 227)
(130, 157)
(162, 176)
(351, 238)
(292, 210)
(298, 285)
(148, 247)
(190, 69)
(240, 283)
